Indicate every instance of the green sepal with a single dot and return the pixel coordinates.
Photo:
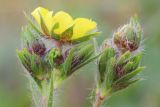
(123, 58)
(123, 85)
(82, 53)
(24, 58)
(68, 33)
(136, 60)
(128, 67)
(86, 49)
(27, 36)
(109, 76)
(68, 62)
(43, 26)
(102, 64)
(130, 75)
(85, 37)
(134, 21)
(27, 60)
(51, 56)
(36, 65)
(53, 35)
(86, 62)
(34, 27)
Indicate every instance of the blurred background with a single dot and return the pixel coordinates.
(109, 14)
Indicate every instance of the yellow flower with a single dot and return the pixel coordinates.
(63, 27)
(82, 26)
(46, 15)
(64, 20)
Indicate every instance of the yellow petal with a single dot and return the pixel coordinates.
(82, 26)
(46, 15)
(64, 20)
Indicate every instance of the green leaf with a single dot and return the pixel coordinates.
(130, 75)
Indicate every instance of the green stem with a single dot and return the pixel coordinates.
(50, 99)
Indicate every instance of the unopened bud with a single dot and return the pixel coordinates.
(128, 37)
(38, 47)
(54, 57)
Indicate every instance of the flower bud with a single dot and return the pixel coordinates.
(54, 57)
(38, 47)
(128, 37)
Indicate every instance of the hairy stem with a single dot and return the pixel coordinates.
(98, 101)
(50, 99)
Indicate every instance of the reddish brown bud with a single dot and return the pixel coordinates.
(38, 47)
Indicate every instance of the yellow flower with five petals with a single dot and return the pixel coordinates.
(63, 27)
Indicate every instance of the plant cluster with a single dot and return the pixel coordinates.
(54, 46)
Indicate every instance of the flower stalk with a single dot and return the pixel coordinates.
(98, 100)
